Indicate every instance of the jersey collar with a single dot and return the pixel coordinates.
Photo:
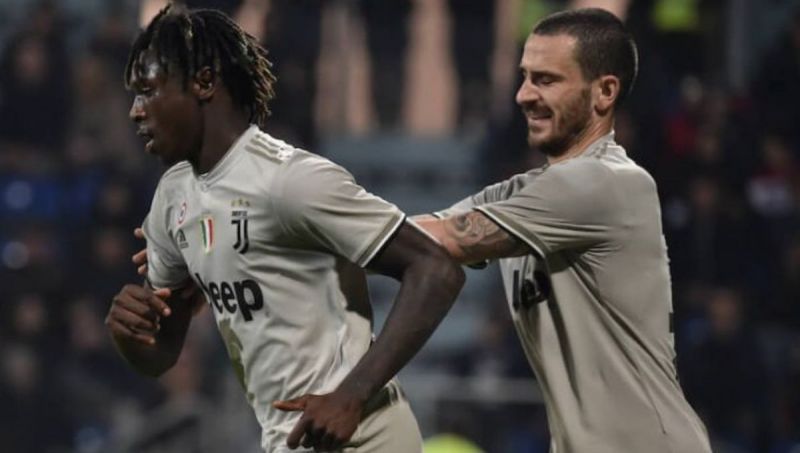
(599, 146)
(229, 158)
(595, 148)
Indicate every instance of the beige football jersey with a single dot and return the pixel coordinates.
(592, 306)
(270, 235)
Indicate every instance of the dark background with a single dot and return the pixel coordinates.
(416, 99)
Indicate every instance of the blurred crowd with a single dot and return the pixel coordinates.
(720, 139)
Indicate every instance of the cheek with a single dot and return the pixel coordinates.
(181, 117)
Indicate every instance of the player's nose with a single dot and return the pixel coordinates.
(527, 93)
(136, 113)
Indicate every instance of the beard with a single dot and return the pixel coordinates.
(566, 128)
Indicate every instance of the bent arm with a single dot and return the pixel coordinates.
(154, 354)
(430, 282)
(471, 237)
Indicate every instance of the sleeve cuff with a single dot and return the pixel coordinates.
(381, 240)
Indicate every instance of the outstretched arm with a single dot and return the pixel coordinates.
(471, 237)
(430, 282)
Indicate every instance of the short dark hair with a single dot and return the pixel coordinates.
(604, 45)
(189, 40)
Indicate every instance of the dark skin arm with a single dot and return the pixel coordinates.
(149, 327)
(430, 282)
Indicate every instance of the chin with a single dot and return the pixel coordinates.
(537, 141)
(547, 145)
(167, 160)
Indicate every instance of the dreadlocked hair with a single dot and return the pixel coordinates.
(190, 40)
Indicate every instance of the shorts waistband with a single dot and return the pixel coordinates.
(390, 394)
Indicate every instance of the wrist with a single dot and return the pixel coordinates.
(355, 391)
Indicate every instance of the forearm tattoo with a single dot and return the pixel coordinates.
(479, 237)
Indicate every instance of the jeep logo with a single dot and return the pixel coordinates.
(244, 295)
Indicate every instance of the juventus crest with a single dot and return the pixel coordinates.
(239, 220)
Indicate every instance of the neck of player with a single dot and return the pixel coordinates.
(596, 129)
(223, 124)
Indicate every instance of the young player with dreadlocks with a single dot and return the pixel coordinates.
(274, 237)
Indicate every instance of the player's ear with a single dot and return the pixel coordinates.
(605, 92)
(204, 84)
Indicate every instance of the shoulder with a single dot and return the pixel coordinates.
(173, 178)
(306, 171)
(587, 176)
(263, 146)
(308, 181)
(628, 175)
(176, 172)
(579, 188)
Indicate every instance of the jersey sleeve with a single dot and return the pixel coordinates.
(320, 202)
(166, 267)
(490, 194)
(572, 205)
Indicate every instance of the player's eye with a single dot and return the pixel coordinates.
(544, 80)
(144, 90)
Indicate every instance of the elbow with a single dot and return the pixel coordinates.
(455, 275)
(449, 273)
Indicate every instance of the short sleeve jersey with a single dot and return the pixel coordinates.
(270, 234)
(592, 305)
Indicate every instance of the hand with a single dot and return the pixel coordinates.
(136, 311)
(190, 291)
(328, 421)
(140, 257)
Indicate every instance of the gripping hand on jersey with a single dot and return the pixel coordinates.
(189, 292)
(136, 312)
(328, 421)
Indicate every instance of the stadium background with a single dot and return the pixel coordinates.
(416, 99)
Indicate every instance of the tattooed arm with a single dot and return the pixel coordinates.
(472, 237)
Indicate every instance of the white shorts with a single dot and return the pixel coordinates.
(389, 426)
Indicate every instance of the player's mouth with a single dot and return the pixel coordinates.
(537, 118)
(147, 136)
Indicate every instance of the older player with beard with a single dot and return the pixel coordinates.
(581, 250)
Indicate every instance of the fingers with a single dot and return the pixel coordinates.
(140, 257)
(293, 441)
(135, 313)
(321, 438)
(120, 329)
(328, 442)
(158, 301)
(136, 304)
(312, 436)
(292, 405)
(127, 315)
(320, 428)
